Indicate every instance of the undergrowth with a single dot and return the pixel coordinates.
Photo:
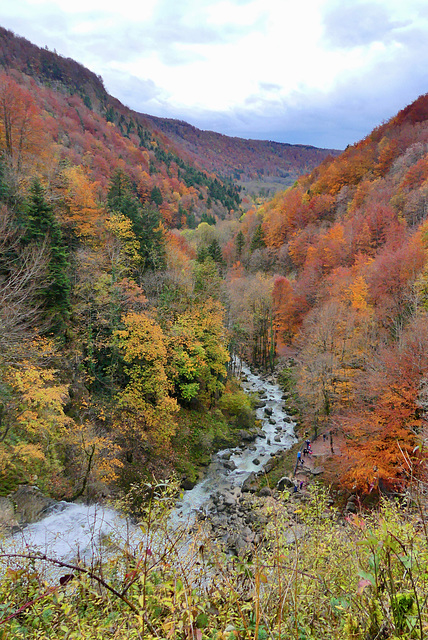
(365, 578)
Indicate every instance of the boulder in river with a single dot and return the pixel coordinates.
(250, 484)
(187, 484)
(229, 465)
(247, 436)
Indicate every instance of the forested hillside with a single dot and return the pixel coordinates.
(343, 255)
(248, 161)
(257, 164)
(112, 340)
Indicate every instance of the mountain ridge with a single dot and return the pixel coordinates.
(230, 157)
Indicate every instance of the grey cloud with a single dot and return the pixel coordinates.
(141, 95)
(351, 25)
(269, 86)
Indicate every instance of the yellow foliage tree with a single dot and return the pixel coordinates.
(145, 407)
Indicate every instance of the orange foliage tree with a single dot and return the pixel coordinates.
(21, 130)
(382, 431)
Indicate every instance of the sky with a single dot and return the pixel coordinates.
(317, 72)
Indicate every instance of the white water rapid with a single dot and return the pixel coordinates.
(77, 531)
(277, 433)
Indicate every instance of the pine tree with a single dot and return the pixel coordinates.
(239, 243)
(41, 227)
(146, 220)
(258, 239)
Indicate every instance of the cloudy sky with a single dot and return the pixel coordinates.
(321, 72)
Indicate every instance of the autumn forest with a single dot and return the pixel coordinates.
(136, 270)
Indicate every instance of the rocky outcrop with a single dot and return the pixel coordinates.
(8, 519)
(30, 504)
(238, 520)
(27, 504)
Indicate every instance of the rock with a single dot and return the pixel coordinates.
(229, 465)
(268, 411)
(229, 500)
(270, 464)
(296, 532)
(264, 492)
(187, 484)
(248, 436)
(285, 483)
(277, 439)
(250, 484)
(272, 421)
(317, 471)
(351, 507)
(7, 514)
(247, 534)
(259, 404)
(239, 544)
(31, 505)
(256, 461)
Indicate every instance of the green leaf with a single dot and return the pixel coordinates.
(201, 621)
(367, 576)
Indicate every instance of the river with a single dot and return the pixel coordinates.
(73, 531)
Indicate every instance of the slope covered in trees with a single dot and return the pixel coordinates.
(243, 160)
(113, 355)
(267, 163)
(343, 255)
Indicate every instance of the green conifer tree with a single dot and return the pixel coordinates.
(41, 226)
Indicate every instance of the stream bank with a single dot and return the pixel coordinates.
(230, 501)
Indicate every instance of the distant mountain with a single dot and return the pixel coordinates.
(242, 159)
(255, 164)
